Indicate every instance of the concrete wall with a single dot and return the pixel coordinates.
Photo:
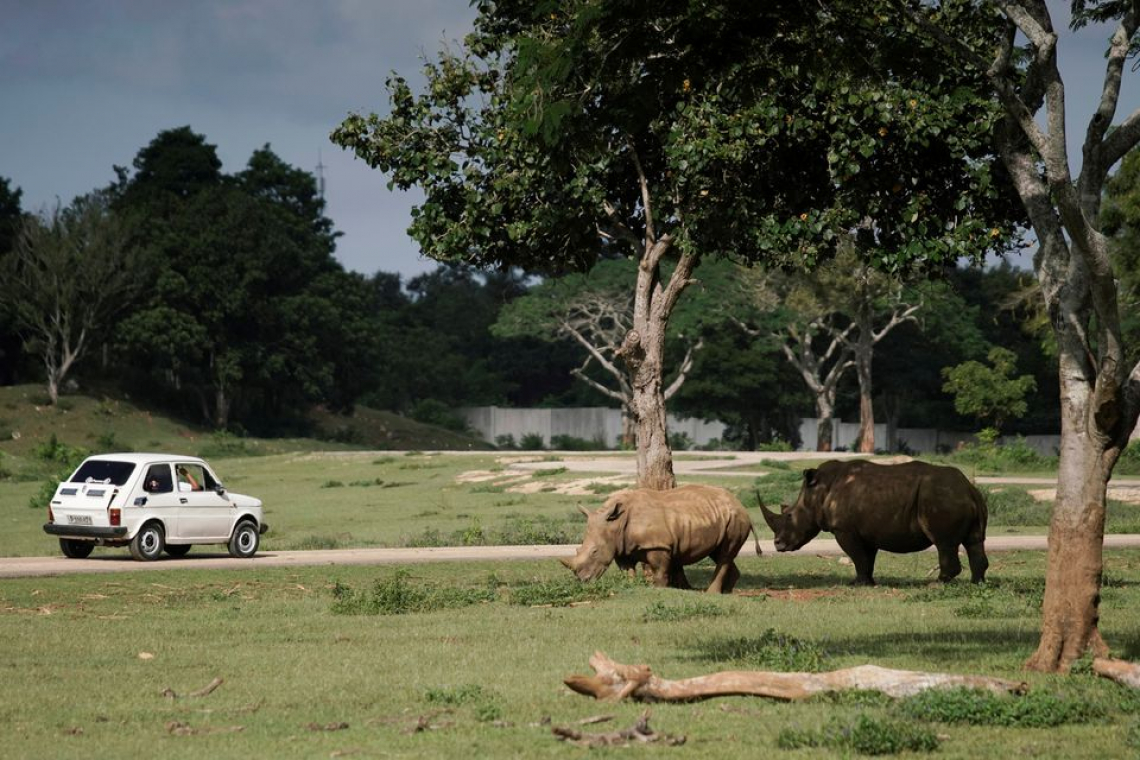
(603, 424)
(921, 440)
(587, 423)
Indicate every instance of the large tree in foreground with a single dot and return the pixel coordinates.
(1100, 391)
(667, 132)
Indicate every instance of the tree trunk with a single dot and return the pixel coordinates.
(643, 355)
(825, 424)
(864, 355)
(53, 386)
(1070, 612)
(221, 409)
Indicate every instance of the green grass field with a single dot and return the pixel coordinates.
(467, 660)
(87, 660)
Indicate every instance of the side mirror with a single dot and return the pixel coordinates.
(220, 490)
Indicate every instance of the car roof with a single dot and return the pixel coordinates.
(135, 457)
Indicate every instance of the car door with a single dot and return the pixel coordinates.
(203, 514)
(158, 497)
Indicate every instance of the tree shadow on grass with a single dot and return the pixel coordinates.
(840, 578)
(940, 646)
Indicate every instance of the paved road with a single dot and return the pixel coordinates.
(118, 561)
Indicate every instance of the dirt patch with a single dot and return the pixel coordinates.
(516, 481)
(570, 488)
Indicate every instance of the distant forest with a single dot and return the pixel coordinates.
(218, 298)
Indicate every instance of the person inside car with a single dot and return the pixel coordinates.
(186, 481)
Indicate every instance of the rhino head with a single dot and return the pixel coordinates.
(795, 525)
(604, 529)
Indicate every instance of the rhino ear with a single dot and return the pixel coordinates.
(809, 477)
(615, 511)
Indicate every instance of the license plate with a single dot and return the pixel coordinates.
(79, 519)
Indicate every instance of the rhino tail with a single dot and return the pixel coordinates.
(755, 537)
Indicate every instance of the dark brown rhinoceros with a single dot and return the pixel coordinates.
(897, 508)
(665, 530)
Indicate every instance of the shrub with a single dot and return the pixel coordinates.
(332, 484)
(455, 696)
(396, 595)
(866, 736)
(768, 651)
(660, 612)
(570, 443)
(430, 411)
(225, 444)
(53, 451)
(505, 442)
(776, 444)
(680, 441)
(777, 487)
(1037, 709)
(61, 460)
(994, 457)
(569, 590)
(532, 442)
(1014, 506)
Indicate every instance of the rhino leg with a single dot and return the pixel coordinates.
(976, 554)
(677, 577)
(862, 556)
(949, 566)
(725, 578)
(658, 568)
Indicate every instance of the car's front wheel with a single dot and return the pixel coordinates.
(76, 549)
(244, 541)
(148, 543)
(177, 550)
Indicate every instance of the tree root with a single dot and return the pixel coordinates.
(614, 681)
(640, 732)
(1123, 672)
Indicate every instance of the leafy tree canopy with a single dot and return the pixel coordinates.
(755, 130)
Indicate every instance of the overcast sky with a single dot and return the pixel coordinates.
(84, 84)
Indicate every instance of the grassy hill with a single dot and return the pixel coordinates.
(28, 424)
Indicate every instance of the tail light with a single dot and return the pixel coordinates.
(51, 516)
(116, 516)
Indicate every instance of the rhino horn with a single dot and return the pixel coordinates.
(774, 520)
(583, 510)
(566, 563)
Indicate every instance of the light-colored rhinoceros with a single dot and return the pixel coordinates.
(665, 530)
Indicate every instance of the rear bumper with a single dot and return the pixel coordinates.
(84, 531)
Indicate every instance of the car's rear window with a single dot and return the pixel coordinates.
(103, 471)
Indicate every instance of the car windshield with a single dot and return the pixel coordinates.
(105, 471)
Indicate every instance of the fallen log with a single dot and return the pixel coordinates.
(1121, 671)
(614, 681)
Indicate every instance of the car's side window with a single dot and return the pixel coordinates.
(193, 477)
(158, 479)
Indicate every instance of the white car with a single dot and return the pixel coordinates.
(151, 503)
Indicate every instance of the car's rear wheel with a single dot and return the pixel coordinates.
(148, 543)
(76, 549)
(177, 550)
(244, 541)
